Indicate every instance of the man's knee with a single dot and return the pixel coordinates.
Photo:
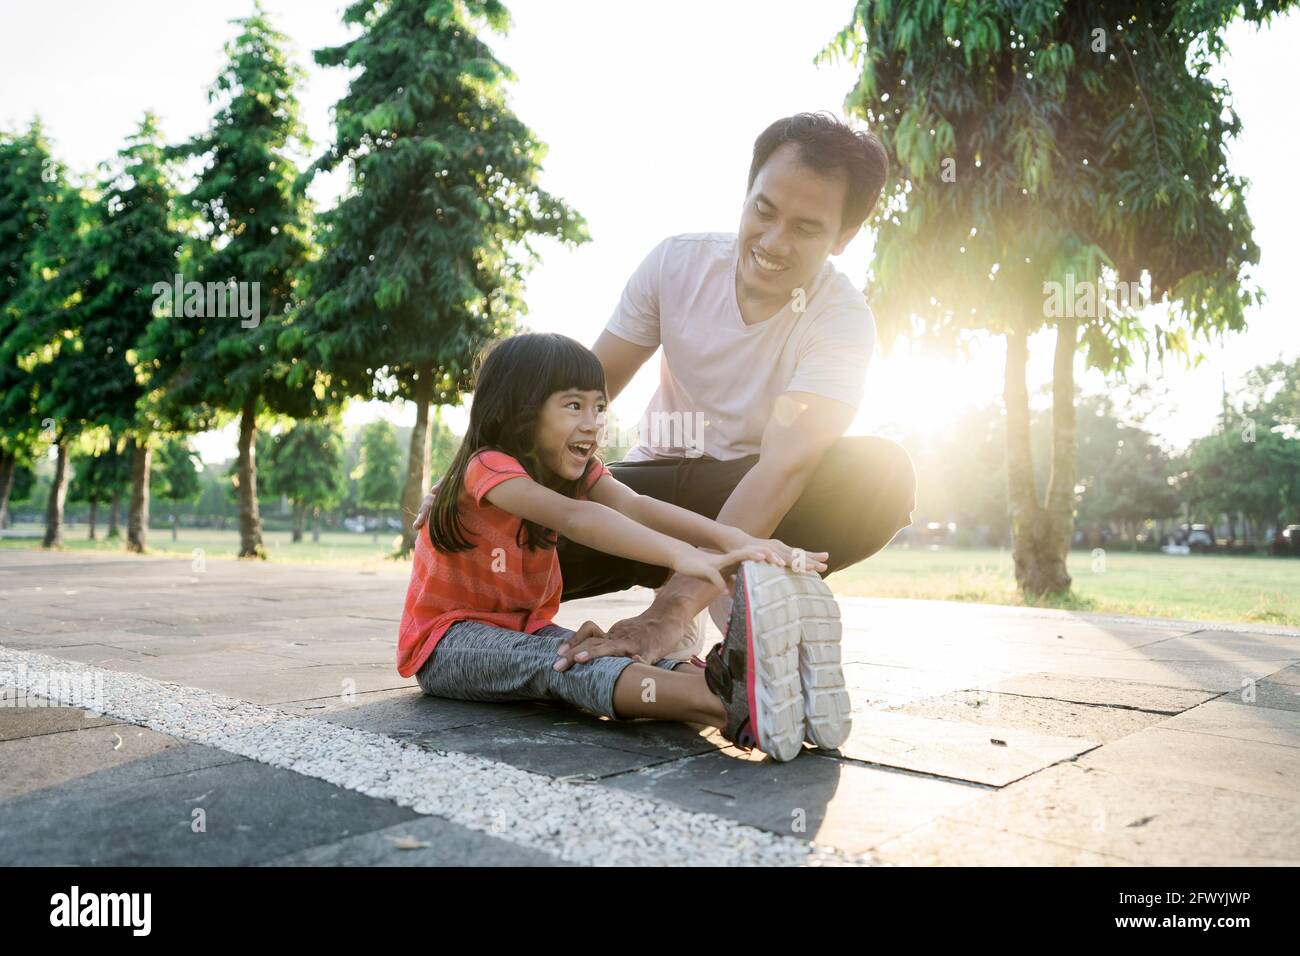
(881, 469)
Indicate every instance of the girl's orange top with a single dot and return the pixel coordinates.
(498, 581)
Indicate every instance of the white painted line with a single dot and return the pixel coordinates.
(581, 824)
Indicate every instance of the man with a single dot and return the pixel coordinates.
(765, 351)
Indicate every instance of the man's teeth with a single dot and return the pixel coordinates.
(766, 264)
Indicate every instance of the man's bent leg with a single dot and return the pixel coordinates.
(861, 495)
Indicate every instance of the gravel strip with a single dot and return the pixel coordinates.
(580, 824)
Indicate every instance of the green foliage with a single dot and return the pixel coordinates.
(421, 262)
(305, 463)
(255, 229)
(1023, 151)
(39, 350)
(130, 245)
(379, 474)
(1124, 472)
(1251, 463)
(97, 476)
(176, 470)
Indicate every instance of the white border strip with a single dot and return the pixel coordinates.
(589, 825)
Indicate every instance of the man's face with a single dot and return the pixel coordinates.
(790, 224)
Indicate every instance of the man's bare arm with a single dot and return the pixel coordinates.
(620, 359)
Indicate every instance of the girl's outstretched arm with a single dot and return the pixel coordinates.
(603, 528)
(695, 529)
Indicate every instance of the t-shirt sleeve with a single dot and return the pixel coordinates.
(636, 318)
(595, 471)
(487, 469)
(834, 360)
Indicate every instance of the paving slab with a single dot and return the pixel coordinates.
(994, 754)
(811, 797)
(1287, 675)
(1209, 760)
(1267, 693)
(35, 762)
(251, 812)
(1229, 717)
(38, 718)
(426, 841)
(947, 842)
(1155, 698)
(1056, 718)
(1143, 819)
(406, 712)
(522, 742)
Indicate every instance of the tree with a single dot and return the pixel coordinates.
(219, 356)
(306, 466)
(100, 476)
(176, 474)
(422, 261)
(1041, 148)
(40, 351)
(27, 192)
(132, 247)
(1123, 471)
(379, 473)
(1250, 464)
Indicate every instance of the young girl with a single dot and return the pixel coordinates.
(485, 583)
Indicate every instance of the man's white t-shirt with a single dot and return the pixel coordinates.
(719, 378)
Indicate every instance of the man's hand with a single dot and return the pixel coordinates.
(421, 516)
(589, 642)
(778, 552)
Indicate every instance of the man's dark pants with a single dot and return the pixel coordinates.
(861, 495)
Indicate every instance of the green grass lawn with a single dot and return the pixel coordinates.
(1259, 590)
(335, 547)
(1201, 587)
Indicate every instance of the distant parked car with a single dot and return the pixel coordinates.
(936, 533)
(355, 523)
(1200, 539)
(1287, 541)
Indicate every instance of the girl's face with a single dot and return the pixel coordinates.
(568, 429)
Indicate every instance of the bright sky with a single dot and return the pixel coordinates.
(650, 112)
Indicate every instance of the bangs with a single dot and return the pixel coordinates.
(570, 365)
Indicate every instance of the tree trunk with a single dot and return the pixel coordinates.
(176, 520)
(137, 522)
(114, 511)
(58, 494)
(250, 521)
(315, 526)
(417, 463)
(1040, 541)
(8, 467)
(94, 505)
(299, 515)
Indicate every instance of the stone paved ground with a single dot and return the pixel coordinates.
(252, 714)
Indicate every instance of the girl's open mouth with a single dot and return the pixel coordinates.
(581, 449)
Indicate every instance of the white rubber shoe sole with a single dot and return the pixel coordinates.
(802, 603)
(772, 644)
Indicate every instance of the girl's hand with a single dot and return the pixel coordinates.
(709, 565)
(778, 552)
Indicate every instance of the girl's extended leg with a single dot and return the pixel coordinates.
(482, 662)
(645, 691)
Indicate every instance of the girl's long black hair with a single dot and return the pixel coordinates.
(515, 378)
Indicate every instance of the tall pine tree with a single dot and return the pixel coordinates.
(257, 220)
(423, 259)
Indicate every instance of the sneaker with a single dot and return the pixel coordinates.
(825, 698)
(755, 670)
